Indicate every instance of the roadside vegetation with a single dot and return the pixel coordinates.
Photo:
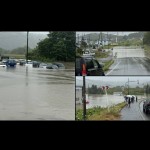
(131, 42)
(59, 46)
(94, 89)
(99, 113)
(146, 44)
(99, 54)
(107, 65)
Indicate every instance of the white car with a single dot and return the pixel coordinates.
(2, 64)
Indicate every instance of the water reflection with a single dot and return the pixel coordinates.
(37, 94)
(26, 76)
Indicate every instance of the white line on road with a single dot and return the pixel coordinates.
(112, 69)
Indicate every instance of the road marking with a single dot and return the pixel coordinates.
(112, 69)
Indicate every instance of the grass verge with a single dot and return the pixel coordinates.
(147, 50)
(99, 113)
(107, 65)
(101, 54)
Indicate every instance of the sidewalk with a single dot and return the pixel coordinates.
(132, 112)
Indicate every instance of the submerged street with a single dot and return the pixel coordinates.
(28, 93)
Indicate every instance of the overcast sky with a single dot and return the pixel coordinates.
(113, 81)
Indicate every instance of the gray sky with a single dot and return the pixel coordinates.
(113, 81)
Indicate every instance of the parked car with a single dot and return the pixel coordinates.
(43, 65)
(2, 64)
(5, 61)
(59, 65)
(51, 66)
(93, 67)
(11, 63)
(22, 62)
(146, 106)
(35, 64)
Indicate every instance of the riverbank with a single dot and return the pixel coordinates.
(99, 113)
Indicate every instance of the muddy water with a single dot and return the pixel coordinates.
(28, 93)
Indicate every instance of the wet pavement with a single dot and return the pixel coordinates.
(145, 116)
(130, 66)
(129, 61)
(37, 94)
(134, 112)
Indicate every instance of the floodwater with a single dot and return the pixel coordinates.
(103, 100)
(28, 93)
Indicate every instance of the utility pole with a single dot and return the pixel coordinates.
(89, 41)
(84, 99)
(131, 81)
(98, 38)
(107, 41)
(128, 86)
(101, 39)
(84, 73)
(27, 47)
(78, 39)
(117, 38)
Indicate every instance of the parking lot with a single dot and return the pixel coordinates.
(28, 93)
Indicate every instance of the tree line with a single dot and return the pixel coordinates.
(133, 91)
(59, 46)
(146, 38)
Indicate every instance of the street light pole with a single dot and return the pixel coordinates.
(84, 99)
(107, 40)
(128, 86)
(131, 81)
(27, 47)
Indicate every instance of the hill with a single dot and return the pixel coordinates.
(13, 40)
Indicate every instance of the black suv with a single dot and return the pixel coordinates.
(146, 106)
(93, 68)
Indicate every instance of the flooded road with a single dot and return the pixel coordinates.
(101, 100)
(28, 93)
(129, 61)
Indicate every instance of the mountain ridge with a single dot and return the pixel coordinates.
(12, 40)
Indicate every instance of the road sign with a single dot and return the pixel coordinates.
(105, 87)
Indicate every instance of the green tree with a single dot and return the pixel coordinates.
(58, 46)
(146, 39)
(83, 44)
